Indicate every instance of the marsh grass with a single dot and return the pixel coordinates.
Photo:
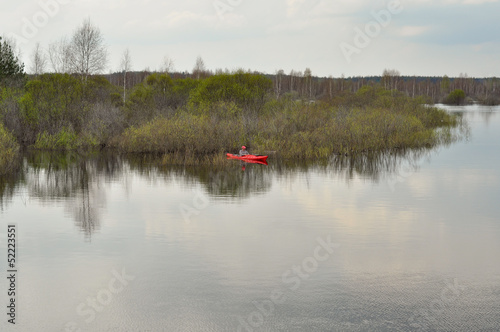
(370, 120)
(65, 139)
(9, 151)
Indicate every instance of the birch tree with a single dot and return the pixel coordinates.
(167, 65)
(279, 78)
(199, 68)
(88, 52)
(308, 77)
(125, 66)
(59, 55)
(38, 60)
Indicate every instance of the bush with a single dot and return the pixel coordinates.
(185, 133)
(9, 150)
(293, 129)
(456, 97)
(56, 103)
(247, 91)
(157, 95)
(66, 139)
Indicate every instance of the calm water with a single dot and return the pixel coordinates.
(393, 242)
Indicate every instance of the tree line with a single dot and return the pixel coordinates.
(85, 54)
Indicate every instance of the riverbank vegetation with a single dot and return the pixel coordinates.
(212, 116)
(203, 114)
(371, 119)
(9, 150)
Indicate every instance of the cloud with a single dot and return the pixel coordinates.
(477, 2)
(301, 7)
(452, 2)
(183, 19)
(264, 35)
(293, 7)
(410, 31)
(343, 7)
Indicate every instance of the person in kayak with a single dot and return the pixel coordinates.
(243, 151)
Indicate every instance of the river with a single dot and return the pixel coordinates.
(401, 241)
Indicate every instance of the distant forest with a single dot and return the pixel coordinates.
(302, 85)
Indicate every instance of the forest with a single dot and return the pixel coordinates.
(199, 115)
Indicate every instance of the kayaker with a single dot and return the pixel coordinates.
(243, 151)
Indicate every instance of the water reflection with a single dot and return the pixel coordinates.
(8, 185)
(487, 113)
(77, 181)
(70, 178)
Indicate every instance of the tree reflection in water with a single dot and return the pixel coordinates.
(78, 180)
(73, 179)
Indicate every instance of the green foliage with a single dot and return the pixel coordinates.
(445, 84)
(10, 66)
(152, 97)
(157, 95)
(98, 89)
(65, 139)
(213, 115)
(182, 89)
(456, 97)
(51, 101)
(56, 103)
(295, 129)
(247, 91)
(184, 133)
(8, 150)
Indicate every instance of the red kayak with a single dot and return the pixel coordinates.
(249, 158)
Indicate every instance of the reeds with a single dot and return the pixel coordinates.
(9, 151)
(293, 129)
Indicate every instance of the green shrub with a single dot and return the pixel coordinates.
(65, 139)
(456, 97)
(292, 129)
(9, 150)
(247, 91)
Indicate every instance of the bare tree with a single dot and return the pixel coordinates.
(308, 77)
(38, 60)
(330, 85)
(390, 77)
(59, 55)
(125, 66)
(292, 76)
(88, 52)
(199, 67)
(167, 65)
(279, 79)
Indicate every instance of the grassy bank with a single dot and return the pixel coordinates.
(370, 120)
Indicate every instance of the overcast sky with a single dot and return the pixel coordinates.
(416, 37)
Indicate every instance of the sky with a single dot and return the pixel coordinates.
(344, 37)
